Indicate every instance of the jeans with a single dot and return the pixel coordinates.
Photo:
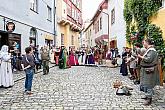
(29, 77)
(13, 62)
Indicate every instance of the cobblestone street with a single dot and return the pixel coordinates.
(77, 88)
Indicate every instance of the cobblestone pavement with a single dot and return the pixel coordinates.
(77, 88)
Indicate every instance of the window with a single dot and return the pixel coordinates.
(72, 13)
(72, 42)
(69, 11)
(33, 35)
(98, 26)
(62, 39)
(95, 27)
(33, 32)
(49, 13)
(34, 5)
(100, 23)
(90, 32)
(112, 16)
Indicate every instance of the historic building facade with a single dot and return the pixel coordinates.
(69, 23)
(117, 24)
(97, 33)
(89, 34)
(27, 22)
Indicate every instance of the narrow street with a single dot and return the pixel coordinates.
(77, 88)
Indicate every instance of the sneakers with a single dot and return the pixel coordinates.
(28, 92)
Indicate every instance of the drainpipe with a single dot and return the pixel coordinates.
(54, 22)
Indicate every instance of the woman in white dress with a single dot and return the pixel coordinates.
(52, 52)
(6, 76)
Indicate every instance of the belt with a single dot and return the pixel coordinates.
(149, 66)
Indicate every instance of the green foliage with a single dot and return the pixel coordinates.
(155, 33)
(141, 11)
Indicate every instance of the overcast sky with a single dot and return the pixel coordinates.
(89, 8)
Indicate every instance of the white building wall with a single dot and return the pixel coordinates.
(19, 12)
(118, 29)
(104, 29)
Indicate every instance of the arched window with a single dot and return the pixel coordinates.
(33, 35)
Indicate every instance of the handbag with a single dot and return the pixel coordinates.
(149, 70)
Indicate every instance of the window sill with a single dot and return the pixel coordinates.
(49, 20)
(33, 10)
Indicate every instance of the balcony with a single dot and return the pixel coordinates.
(62, 21)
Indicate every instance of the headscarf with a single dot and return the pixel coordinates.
(4, 55)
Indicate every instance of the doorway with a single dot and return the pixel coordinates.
(113, 44)
(7, 38)
(3, 39)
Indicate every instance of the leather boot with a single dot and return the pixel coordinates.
(148, 102)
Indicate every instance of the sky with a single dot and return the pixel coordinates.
(89, 8)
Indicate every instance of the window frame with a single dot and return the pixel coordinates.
(34, 5)
(49, 13)
(100, 23)
(62, 39)
(72, 40)
(113, 16)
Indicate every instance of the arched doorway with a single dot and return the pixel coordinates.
(33, 36)
(113, 44)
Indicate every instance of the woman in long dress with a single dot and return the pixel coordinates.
(6, 76)
(72, 58)
(63, 58)
(123, 68)
(91, 59)
(52, 52)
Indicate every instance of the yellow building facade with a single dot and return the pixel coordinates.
(68, 24)
(159, 20)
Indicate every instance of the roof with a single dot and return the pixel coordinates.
(88, 26)
(103, 5)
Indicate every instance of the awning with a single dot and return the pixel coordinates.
(102, 38)
(48, 37)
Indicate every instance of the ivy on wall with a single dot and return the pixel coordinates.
(140, 11)
(137, 13)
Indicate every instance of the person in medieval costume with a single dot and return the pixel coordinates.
(149, 69)
(96, 56)
(45, 60)
(82, 57)
(63, 58)
(86, 57)
(123, 68)
(73, 59)
(56, 55)
(52, 53)
(91, 59)
(6, 75)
